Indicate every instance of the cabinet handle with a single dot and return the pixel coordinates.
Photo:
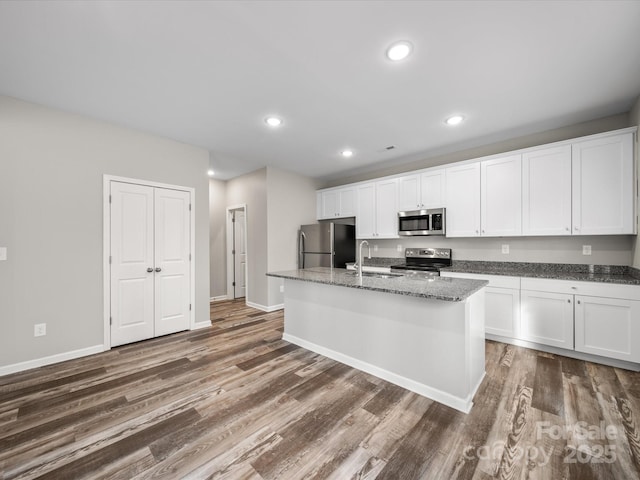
(158, 269)
(568, 229)
(477, 232)
(569, 301)
(576, 229)
(149, 270)
(578, 302)
(574, 288)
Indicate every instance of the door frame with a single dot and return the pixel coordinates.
(106, 243)
(230, 266)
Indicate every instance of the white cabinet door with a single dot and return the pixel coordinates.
(501, 196)
(546, 318)
(608, 327)
(603, 186)
(387, 209)
(336, 203)
(329, 204)
(463, 200)
(546, 191)
(409, 196)
(502, 311)
(366, 210)
(432, 186)
(347, 202)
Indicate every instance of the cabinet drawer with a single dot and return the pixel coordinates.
(497, 281)
(592, 289)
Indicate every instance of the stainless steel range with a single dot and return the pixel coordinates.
(427, 261)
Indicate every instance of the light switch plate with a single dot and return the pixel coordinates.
(505, 249)
(375, 247)
(399, 248)
(586, 249)
(3, 253)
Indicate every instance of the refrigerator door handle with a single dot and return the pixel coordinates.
(301, 240)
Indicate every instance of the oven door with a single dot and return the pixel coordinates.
(414, 222)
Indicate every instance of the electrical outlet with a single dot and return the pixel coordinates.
(586, 249)
(281, 288)
(505, 249)
(39, 329)
(3, 253)
(375, 247)
(399, 248)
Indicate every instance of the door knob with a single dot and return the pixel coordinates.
(149, 269)
(158, 269)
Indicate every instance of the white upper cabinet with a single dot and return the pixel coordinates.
(501, 196)
(423, 190)
(546, 191)
(336, 203)
(377, 209)
(463, 200)
(603, 186)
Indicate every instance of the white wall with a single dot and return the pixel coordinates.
(51, 172)
(251, 189)
(291, 202)
(606, 250)
(217, 238)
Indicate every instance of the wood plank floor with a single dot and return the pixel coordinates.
(235, 401)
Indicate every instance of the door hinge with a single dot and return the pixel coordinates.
(189, 207)
(233, 284)
(109, 198)
(233, 219)
(189, 307)
(109, 259)
(233, 252)
(110, 320)
(189, 257)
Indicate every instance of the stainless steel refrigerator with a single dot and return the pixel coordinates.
(326, 245)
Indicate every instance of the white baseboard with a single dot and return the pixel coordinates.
(200, 325)
(264, 308)
(219, 298)
(462, 404)
(59, 357)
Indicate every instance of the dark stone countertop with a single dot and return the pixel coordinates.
(437, 288)
(557, 271)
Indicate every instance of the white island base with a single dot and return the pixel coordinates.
(432, 347)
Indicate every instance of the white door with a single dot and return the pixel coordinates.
(132, 263)
(502, 311)
(432, 188)
(172, 263)
(240, 254)
(409, 197)
(150, 262)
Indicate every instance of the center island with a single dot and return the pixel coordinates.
(426, 335)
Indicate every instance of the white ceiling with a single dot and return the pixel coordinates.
(207, 73)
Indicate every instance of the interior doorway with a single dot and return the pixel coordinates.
(237, 252)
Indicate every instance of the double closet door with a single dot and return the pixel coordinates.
(150, 261)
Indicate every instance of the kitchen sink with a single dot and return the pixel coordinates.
(378, 274)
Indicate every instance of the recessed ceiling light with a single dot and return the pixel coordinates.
(399, 50)
(211, 173)
(273, 121)
(454, 120)
(347, 153)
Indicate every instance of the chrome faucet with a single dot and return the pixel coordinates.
(359, 264)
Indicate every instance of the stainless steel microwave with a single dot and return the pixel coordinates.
(422, 222)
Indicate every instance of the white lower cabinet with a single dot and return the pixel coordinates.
(546, 318)
(609, 327)
(502, 302)
(588, 317)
